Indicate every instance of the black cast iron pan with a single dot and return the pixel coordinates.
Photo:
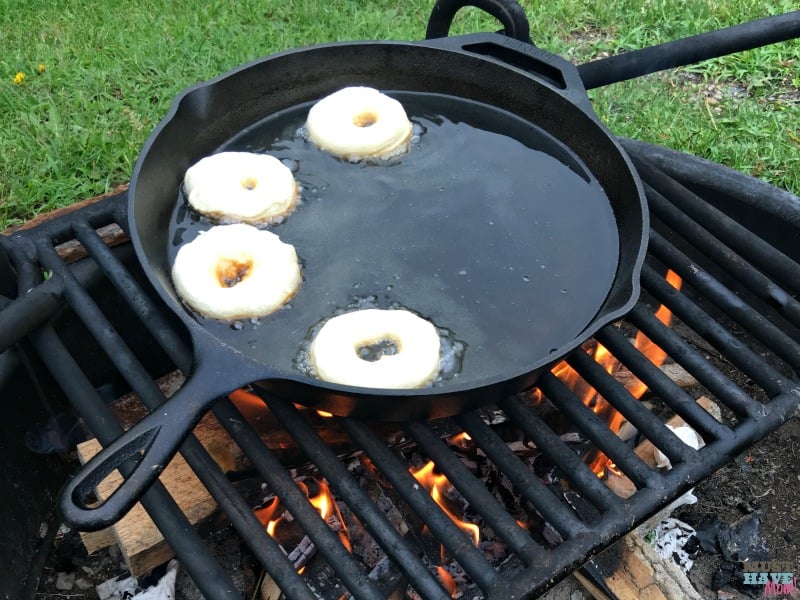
(519, 243)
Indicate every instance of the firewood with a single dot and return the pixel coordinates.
(621, 485)
(631, 568)
(140, 542)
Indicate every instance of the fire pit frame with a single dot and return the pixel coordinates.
(667, 175)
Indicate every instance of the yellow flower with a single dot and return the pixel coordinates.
(19, 78)
(41, 68)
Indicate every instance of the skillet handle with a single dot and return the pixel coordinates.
(141, 453)
(508, 12)
(546, 68)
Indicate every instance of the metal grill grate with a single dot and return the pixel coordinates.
(740, 296)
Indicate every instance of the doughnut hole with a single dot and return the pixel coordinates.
(365, 119)
(249, 183)
(231, 271)
(374, 350)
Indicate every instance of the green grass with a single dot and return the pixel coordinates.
(112, 69)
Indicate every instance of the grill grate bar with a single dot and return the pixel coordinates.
(641, 418)
(725, 258)
(561, 517)
(731, 304)
(694, 362)
(281, 483)
(746, 243)
(597, 431)
(126, 362)
(440, 525)
(102, 330)
(264, 548)
(147, 311)
(356, 499)
(474, 490)
(559, 453)
(701, 322)
(168, 517)
(661, 385)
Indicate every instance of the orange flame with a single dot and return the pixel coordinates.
(270, 515)
(436, 484)
(598, 461)
(325, 504)
(266, 516)
(447, 580)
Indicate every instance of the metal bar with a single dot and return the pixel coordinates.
(495, 515)
(23, 257)
(713, 178)
(661, 385)
(29, 312)
(209, 576)
(730, 303)
(690, 359)
(440, 525)
(597, 431)
(551, 446)
(725, 258)
(746, 243)
(357, 500)
(641, 418)
(690, 50)
(559, 515)
(152, 316)
(268, 552)
(702, 323)
(274, 474)
(101, 329)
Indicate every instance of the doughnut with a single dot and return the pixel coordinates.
(390, 349)
(359, 122)
(236, 272)
(241, 187)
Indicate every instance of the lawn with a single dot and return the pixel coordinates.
(98, 76)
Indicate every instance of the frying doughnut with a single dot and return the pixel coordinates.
(241, 187)
(359, 122)
(339, 352)
(236, 272)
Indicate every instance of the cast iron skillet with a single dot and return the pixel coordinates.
(460, 263)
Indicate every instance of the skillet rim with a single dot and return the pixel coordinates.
(204, 341)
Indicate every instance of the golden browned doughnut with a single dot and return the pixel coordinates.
(236, 272)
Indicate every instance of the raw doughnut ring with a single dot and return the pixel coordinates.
(344, 350)
(236, 272)
(359, 122)
(241, 187)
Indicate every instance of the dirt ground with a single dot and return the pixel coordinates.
(766, 478)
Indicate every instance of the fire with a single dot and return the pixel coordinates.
(598, 461)
(447, 580)
(436, 484)
(273, 513)
(266, 515)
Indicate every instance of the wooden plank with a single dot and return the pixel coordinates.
(60, 212)
(140, 542)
